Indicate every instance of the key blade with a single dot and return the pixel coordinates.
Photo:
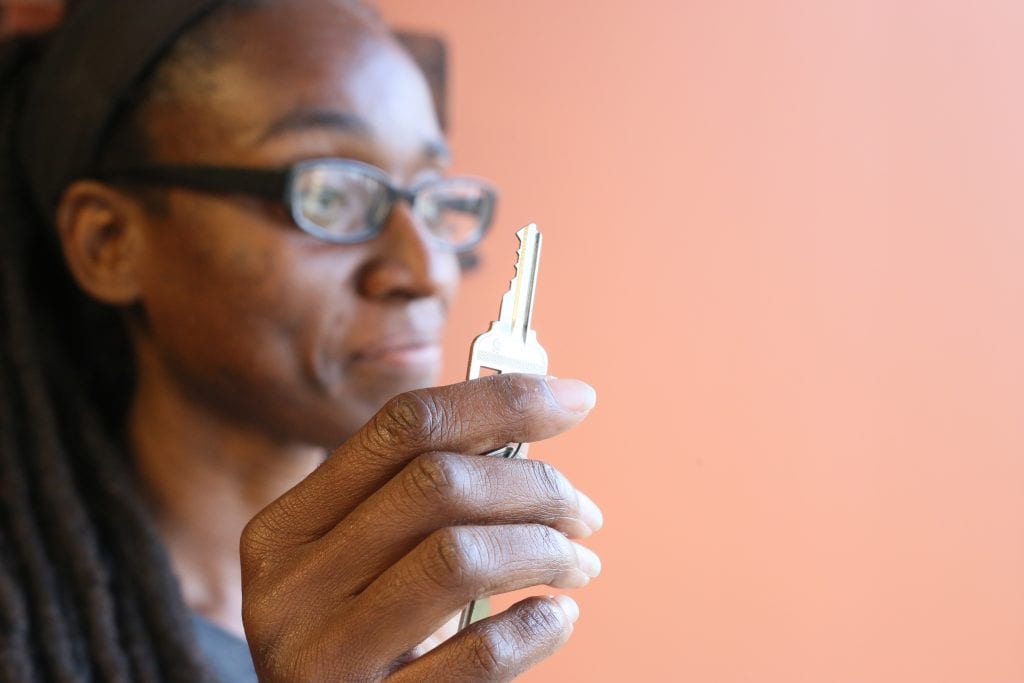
(517, 303)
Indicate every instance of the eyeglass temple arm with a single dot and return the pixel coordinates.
(270, 183)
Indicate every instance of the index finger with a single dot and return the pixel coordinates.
(469, 417)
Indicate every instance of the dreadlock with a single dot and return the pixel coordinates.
(87, 592)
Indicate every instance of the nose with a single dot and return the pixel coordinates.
(406, 262)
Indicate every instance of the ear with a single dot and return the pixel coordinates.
(101, 234)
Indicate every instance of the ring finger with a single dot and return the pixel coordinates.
(451, 567)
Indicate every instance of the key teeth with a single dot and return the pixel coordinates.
(522, 234)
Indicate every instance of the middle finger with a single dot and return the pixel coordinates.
(438, 490)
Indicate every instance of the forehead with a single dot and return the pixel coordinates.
(303, 78)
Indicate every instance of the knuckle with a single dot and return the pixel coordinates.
(554, 484)
(440, 479)
(413, 418)
(492, 650)
(554, 552)
(272, 530)
(549, 541)
(258, 542)
(254, 540)
(456, 559)
(519, 393)
(540, 620)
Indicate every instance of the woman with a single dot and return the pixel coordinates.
(214, 275)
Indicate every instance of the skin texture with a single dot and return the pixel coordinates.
(404, 567)
(259, 348)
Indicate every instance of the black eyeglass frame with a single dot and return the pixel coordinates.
(279, 185)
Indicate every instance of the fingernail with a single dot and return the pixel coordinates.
(587, 560)
(574, 577)
(569, 606)
(572, 395)
(589, 512)
(573, 527)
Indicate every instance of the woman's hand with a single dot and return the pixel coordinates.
(404, 524)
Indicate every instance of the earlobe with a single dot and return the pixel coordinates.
(101, 235)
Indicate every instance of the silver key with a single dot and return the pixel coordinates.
(510, 345)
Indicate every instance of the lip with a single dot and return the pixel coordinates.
(400, 353)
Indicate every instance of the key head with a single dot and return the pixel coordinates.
(502, 352)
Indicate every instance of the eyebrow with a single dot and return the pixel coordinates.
(304, 119)
(344, 122)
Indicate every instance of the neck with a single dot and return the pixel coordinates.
(206, 476)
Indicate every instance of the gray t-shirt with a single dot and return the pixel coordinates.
(227, 654)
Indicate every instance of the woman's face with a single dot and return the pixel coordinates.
(243, 312)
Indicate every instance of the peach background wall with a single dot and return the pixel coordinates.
(784, 241)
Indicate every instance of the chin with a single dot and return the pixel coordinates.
(363, 392)
(383, 386)
(389, 373)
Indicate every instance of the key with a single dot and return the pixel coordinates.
(510, 345)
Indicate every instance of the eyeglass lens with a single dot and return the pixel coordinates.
(349, 204)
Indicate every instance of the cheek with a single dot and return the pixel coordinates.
(223, 318)
(235, 297)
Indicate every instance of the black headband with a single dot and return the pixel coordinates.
(98, 53)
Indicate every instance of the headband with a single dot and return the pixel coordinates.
(101, 49)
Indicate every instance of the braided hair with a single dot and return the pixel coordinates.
(87, 592)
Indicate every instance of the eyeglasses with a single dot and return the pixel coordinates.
(342, 200)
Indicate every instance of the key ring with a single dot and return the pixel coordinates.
(508, 451)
